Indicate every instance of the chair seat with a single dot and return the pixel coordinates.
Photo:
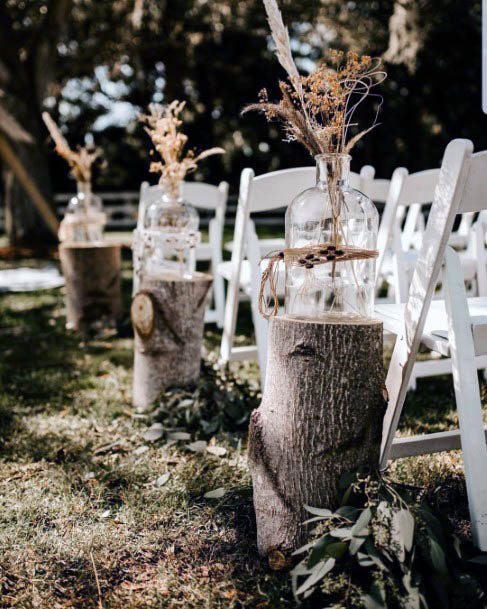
(225, 270)
(457, 240)
(266, 245)
(469, 264)
(435, 333)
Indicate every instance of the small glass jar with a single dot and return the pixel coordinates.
(335, 215)
(84, 221)
(170, 236)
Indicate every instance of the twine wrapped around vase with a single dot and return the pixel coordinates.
(306, 257)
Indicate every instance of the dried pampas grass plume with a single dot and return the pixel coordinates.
(80, 160)
(280, 35)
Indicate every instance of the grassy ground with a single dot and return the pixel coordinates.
(94, 514)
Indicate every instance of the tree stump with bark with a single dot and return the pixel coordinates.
(168, 316)
(93, 290)
(320, 417)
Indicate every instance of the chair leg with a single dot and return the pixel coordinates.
(219, 296)
(467, 393)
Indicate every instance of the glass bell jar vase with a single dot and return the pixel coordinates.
(170, 236)
(332, 230)
(84, 221)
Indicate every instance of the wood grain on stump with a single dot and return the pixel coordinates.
(168, 318)
(320, 417)
(93, 292)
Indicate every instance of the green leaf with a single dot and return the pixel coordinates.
(364, 560)
(319, 551)
(337, 549)
(403, 521)
(298, 571)
(318, 511)
(433, 524)
(305, 548)
(371, 603)
(356, 544)
(362, 522)
(375, 599)
(318, 573)
(342, 533)
(437, 557)
(348, 512)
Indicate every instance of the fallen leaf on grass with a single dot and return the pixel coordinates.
(141, 450)
(218, 451)
(179, 435)
(215, 494)
(197, 447)
(161, 481)
(154, 432)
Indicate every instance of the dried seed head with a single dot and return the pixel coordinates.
(330, 257)
(309, 256)
(309, 265)
(331, 248)
(339, 252)
(323, 252)
(280, 254)
(302, 261)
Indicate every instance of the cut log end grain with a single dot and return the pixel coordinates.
(142, 314)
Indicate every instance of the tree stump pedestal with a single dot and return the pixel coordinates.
(320, 417)
(93, 291)
(168, 316)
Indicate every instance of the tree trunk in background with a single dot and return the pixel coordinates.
(23, 224)
(320, 417)
(168, 317)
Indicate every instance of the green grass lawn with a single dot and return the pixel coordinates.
(92, 514)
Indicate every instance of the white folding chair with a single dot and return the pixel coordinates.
(266, 192)
(455, 327)
(208, 197)
(399, 245)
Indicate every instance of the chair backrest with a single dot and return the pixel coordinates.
(407, 192)
(277, 189)
(199, 194)
(459, 189)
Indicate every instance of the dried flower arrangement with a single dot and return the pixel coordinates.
(317, 110)
(163, 123)
(80, 160)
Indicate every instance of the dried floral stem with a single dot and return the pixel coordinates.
(80, 160)
(162, 125)
(318, 110)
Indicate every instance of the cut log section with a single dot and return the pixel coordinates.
(168, 318)
(320, 417)
(93, 291)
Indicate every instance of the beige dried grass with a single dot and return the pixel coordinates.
(163, 126)
(80, 160)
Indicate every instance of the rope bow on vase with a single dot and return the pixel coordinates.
(308, 258)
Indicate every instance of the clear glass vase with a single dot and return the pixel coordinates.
(170, 236)
(84, 221)
(337, 217)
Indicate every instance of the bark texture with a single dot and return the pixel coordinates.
(321, 416)
(168, 318)
(93, 291)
